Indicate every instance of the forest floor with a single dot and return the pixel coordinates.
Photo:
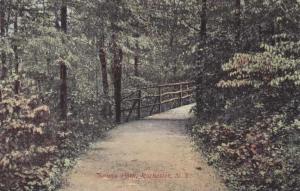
(153, 154)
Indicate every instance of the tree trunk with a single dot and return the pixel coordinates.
(56, 21)
(64, 16)
(16, 51)
(117, 76)
(203, 66)
(238, 20)
(203, 19)
(103, 61)
(136, 59)
(15, 47)
(63, 67)
(2, 31)
(63, 90)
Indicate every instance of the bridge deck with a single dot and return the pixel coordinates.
(153, 154)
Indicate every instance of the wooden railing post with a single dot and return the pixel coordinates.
(63, 89)
(159, 99)
(139, 104)
(181, 95)
(164, 96)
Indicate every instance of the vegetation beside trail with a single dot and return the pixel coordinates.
(249, 113)
(35, 148)
(65, 65)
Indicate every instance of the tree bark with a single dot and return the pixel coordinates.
(136, 59)
(238, 20)
(63, 67)
(203, 66)
(16, 51)
(2, 31)
(103, 61)
(117, 76)
(15, 47)
(63, 90)
(64, 17)
(56, 21)
(203, 19)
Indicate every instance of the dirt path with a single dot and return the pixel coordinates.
(153, 154)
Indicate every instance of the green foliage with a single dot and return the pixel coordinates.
(35, 149)
(261, 157)
(278, 66)
(27, 150)
(248, 96)
(256, 83)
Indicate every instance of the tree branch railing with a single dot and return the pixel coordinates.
(140, 100)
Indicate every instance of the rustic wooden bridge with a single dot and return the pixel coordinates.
(146, 101)
(137, 103)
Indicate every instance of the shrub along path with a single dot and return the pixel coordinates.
(153, 154)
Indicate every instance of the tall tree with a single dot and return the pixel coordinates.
(117, 75)
(64, 16)
(238, 19)
(15, 45)
(103, 61)
(2, 30)
(63, 67)
(203, 19)
(136, 59)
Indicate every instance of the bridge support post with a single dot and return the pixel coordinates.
(181, 95)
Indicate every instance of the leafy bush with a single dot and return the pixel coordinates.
(27, 149)
(270, 79)
(256, 139)
(262, 157)
(35, 149)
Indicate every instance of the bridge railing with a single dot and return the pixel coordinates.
(155, 99)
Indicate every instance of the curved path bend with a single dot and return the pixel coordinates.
(153, 154)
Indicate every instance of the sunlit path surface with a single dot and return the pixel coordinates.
(153, 154)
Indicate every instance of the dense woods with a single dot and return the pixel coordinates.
(61, 61)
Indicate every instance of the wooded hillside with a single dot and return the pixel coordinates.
(62, 61)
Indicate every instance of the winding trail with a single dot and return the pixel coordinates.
(153, 154)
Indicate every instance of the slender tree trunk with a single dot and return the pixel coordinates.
(15, 47)
(16, 51)
(136, 59)
(63, 67)
(56, 10)
(238, 20)
(203, 19)
(202, 66)
(103, 61)
(117, 76)
(63, 90)
(2, 31)
(64, 16)
(9, 10)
